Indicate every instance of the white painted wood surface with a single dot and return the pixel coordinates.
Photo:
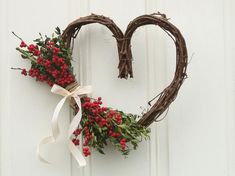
(198, 136)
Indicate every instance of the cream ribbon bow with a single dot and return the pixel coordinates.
(56, 89)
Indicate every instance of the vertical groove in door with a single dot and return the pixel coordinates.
(229, 78)
(79, 8)
(152, 147)
(156, 68)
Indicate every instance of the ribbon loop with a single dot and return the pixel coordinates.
(79, 91)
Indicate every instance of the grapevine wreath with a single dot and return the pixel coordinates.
(94, 125)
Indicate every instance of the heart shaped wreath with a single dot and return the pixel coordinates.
(51, 59)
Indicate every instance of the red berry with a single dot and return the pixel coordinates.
(104, 121)
(77, 132)
(101, 124)
(56, 50)
(36, 53)
(104, 109)
(76, 141)
(110, 133)
(40, 60)
(87, 99)
(86, 142)
(24, 72)
(23, 44)
(86, 151)
(123, 141)
(31, 47)
(116, 134)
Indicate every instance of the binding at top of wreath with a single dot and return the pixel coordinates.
(168, 95)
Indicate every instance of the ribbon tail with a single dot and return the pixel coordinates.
(44, 141)
(77, 118)
(55, 130)
(77, 154)
(73, 126)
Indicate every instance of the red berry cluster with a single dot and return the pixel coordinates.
(50, 61)
(86, 151)
(98, 122)
(123, 143)
(31, 48)
(76, 133)
(76, 141)
(103, 116)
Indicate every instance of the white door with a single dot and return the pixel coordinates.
(197, 136)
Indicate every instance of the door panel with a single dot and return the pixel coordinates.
(197, 136)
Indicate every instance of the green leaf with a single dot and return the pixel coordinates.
(100, 150)
(57, 30)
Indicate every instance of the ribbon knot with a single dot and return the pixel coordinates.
(79, 91)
